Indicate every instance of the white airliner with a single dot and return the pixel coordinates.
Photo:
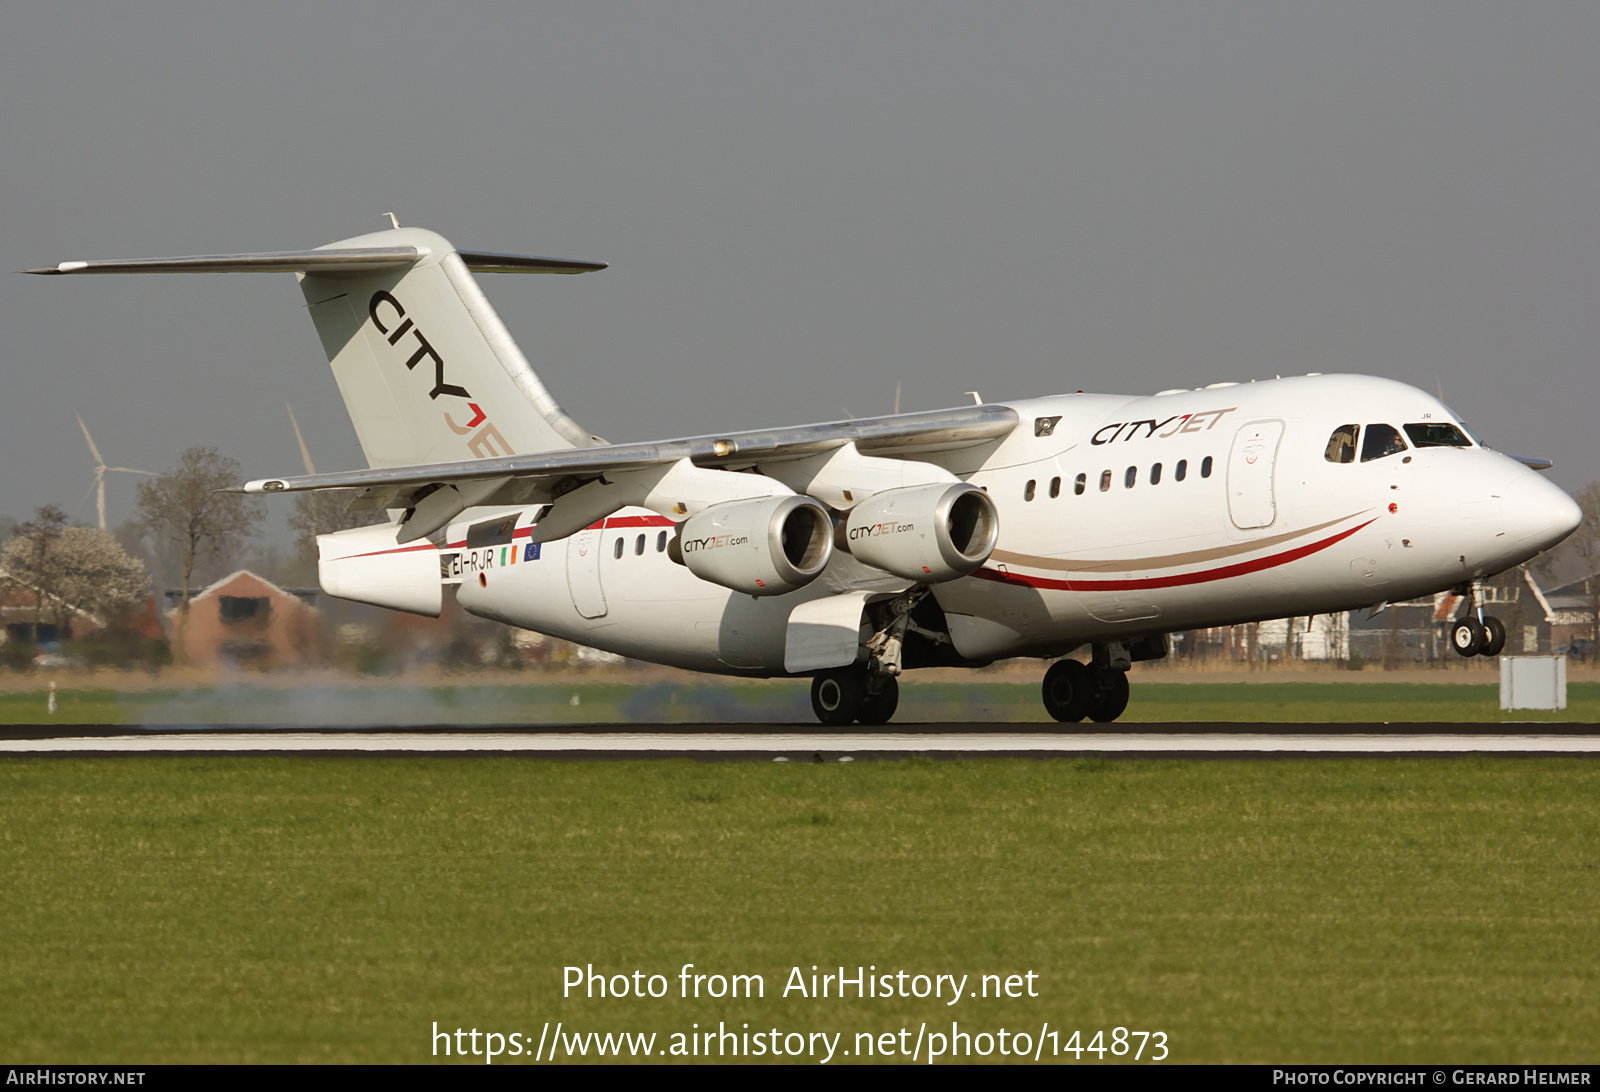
(854, 550)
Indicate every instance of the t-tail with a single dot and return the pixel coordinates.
(427, 370)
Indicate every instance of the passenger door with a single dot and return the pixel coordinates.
(1251, 503)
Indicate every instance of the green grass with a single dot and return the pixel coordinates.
(284, 909)
(717, 701)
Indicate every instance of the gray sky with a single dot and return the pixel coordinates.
(803, 204)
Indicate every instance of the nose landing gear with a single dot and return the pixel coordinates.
(1476, 633)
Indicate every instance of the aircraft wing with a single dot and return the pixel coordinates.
(543, 475)
(900, 434)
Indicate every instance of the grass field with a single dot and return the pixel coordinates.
(286, 909)
(733, 702)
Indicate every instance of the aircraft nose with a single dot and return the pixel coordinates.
(1539, 514)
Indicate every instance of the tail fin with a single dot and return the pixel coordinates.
(427, 370)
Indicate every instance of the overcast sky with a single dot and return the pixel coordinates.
(803, 204)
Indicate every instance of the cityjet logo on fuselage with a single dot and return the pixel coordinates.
(875, 529)
(691, 545)
(1204, 421)
(486, 442)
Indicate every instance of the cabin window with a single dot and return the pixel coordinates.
(1342, 444)
(1027, 490)
(1181, 471)
(661, 543)
(1079, 484)
(1205, 467)
(1105, 481)
(618, 549)
(1155, 474)
(1130, 476)
(1381, 441)
(1055, 488)
(1437, 434)
(638, 547)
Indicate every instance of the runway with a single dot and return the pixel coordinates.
(804, 743)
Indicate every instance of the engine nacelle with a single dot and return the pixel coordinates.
(764, 546)
(926, 533)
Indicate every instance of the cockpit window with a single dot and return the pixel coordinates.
(1437, 434)
(1342, 444)
(1381, 440)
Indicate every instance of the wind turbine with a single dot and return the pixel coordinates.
(305, 452)
(100, 469)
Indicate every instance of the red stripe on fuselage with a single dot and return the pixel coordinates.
(1205, 576)
(396, 550)
(636, 521)
(610, 523)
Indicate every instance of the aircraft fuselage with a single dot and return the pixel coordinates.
(1119, 517)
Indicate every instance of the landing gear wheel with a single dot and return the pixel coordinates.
(837, 696)
(1496, 636)
(1467, 637)
(1110, 699)
(879, 707)
(1068, 690)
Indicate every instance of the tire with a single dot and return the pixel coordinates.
(1111, 699)
(838, 695)
(1068, 688)
(879, 708)
(1495, 639)
(1467, 637)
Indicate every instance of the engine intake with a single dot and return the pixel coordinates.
(926, 533)
(765, 546)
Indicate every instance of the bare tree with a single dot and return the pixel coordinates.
(321, 512)
(186, 508)
(1584, 547)
(72, 570)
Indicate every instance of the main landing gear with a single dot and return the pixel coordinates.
(1097, 690)
(845, 695)
(1476, 633)
(868, 693)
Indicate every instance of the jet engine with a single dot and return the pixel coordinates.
(763, 546)
(926, 533)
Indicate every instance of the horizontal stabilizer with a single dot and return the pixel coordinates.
(343, 260)
(331, 261)
(484, 261)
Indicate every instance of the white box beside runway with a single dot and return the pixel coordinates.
(1533, 682)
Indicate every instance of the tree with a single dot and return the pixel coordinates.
(72, 569)
(30, 555)
(1584, 547)
(187, 507)
(320, 512)
(1577, 559)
